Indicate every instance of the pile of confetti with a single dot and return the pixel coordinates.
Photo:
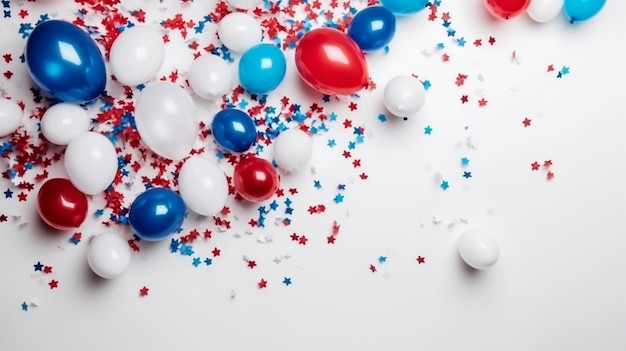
(337, 124)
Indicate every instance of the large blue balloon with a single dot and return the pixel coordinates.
(582, 10)
(233, 130)
(404, 7)
(156, 213)
(262, 68)
(65, 62)
(373, 28)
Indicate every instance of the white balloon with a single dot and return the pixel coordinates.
(136, 55)
(478, 249)
(244, 4)
(404, 96)
(202, 186)
(108, 255)
(10, 117)
(292, 149)
(63, 122)
(210, 77)
(91, 162)
(239, 31)
(543, 11)
(166, 119)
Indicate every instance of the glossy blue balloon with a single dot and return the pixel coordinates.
(582, 10)
(233, 130)
(373, 28)
(65, 62)
(262, 68)
(404, 7)
(156, 213)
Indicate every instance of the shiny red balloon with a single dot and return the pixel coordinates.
(61, 205)
(255, 179)
(331, 62)
(506, 9)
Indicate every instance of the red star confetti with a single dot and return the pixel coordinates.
(143, 291)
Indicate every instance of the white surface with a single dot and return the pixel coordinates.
(559, 282)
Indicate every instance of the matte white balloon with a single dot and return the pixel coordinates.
(136, 55)
(91, 162)
(244, 4)
(478, 249)
(108, 255)
(239, 31)
(167, 120)
(404, 96)
(11, 116)
(63, 122)
(202, 186)
(210, 77)
(293, 149)
(543, 11)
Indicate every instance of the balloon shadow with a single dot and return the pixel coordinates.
(470, 272)
(44, 230)
(307, 91)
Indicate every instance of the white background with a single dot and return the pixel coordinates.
(559, 283)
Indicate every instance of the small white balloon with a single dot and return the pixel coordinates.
(543, 11)
(478, 249)
(63, 122)
(293, 149)
(210, 77)
(167, 120)
(404, 95)
(137, 55)
(11, 116)
(203, 186)
(244, 4)
(239, 31)
(91, 162)
(108, 255)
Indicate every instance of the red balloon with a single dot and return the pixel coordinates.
(61, 205)
(255, 179)
(331, 62)
(506, 9)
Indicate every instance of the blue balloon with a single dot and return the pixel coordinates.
(262, 68)
(373, 28)
(65, 62)
(156, 213)
(582, 10)
(404, 7)
(233, 130)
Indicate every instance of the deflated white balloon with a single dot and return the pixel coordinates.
(166, 119)
(239, 31)
(10, 117)
(244, 4)
(210, 77)
(543, 11)
(137, 55)
(292, 149)
(91, 162)
(63, 122)
(404, 96)
(108, 255)
(202, 186)
(478, 249)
